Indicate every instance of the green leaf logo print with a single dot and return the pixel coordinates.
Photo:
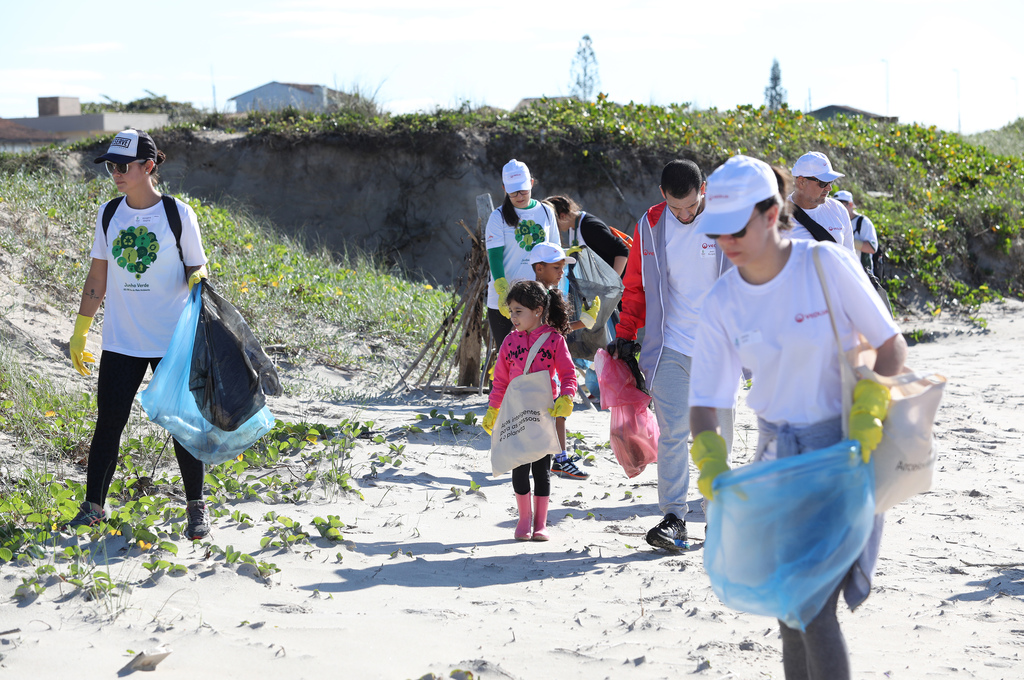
(529, 234)
(135, 249)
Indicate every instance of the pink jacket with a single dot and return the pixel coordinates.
(552, 357)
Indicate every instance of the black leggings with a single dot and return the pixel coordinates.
(119, 379)
(820, 652)
(500, 327)
(541, 477)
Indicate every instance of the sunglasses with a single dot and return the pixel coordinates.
(739, 234)
(821, 185)
(119, 168)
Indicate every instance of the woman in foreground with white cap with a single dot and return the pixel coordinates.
(769, 314)
(145, 271)
(512, 231)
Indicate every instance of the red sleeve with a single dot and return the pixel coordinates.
(634, 303)
(564, 367)
(500, 382)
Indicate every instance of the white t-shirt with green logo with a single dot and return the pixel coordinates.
(537, 224)
(146, 285)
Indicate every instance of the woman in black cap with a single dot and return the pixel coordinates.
(147, 254)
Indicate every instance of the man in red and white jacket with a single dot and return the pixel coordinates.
(671, 268)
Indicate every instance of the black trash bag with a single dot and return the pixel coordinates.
(230, 371)
(591, 277)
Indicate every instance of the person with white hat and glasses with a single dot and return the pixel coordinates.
(818, 216)
(769, 314)
(511, 233)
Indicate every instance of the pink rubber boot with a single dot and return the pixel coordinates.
(540, 518)
(523, 527)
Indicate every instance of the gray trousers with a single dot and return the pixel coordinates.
(671, 391)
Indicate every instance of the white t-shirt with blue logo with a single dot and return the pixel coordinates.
(146, 285)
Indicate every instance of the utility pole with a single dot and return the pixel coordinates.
(886, 87)
(958, 128)
(1016, 97)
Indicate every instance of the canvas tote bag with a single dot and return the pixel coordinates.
(525, 431)
(905, 458)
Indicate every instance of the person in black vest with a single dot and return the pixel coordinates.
(145, 272)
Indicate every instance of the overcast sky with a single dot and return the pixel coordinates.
(415, 55)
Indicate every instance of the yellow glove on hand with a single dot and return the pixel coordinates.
(562, 407)
(589, 314)
(489, 419)
(870, 406)
(197, 276)
(79, 357)
(573, 250)
(501, 286)
(709, 455)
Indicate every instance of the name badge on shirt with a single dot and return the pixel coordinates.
(748, 338)
(708, 249)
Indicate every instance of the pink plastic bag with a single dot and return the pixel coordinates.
(634, 431)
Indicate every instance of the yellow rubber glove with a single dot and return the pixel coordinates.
(562, 407)
(79, 357)
(589, 314)
(489, 419)
(573, 250)
(197, 276)
(501, 286)
(870, 406)
(709, 454)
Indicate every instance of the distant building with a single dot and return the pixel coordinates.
(63, 117)
(833, 110)
(275, 96)
(14, 137)
(527, 102)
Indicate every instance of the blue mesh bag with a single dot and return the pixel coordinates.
(782, 534)
(206, 391)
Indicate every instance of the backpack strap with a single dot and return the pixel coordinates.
(174, 220)
(108, 213)
(860, 220)
(819, 232)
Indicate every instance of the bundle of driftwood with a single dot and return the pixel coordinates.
(464, 326)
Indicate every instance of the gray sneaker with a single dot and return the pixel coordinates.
(198, 526)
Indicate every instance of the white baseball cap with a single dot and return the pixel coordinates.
(816, 165)
(732, 192)
(516, 176)
(549, 252)
(844, 196)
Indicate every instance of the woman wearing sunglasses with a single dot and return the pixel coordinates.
(769, 314)
(145, 273)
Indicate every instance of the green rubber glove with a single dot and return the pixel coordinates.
(80, 357)
(562, 407)
(870, 406)
(489, 419)
(589, 314)
(709, 454)
(197, 276)
(573, 250)
(501, 286)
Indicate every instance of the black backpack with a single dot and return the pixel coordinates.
(875, 260)
(173, 219)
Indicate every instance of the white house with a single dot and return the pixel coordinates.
(275, 96)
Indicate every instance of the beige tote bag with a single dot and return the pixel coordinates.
(905, 458)
(525, 430)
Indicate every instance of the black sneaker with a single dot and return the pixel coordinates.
(669, 534)
(567, 469)
(198, 521)
(87, 516)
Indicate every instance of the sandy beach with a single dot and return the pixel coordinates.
(429, 580)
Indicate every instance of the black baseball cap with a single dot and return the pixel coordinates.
(130, 145)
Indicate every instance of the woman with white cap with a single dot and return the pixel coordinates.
(769, 314)
(512, 231)
(147, 254)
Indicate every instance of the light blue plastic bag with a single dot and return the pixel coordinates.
(782, 534)
(168, 402)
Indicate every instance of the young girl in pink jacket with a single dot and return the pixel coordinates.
(535, 311)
